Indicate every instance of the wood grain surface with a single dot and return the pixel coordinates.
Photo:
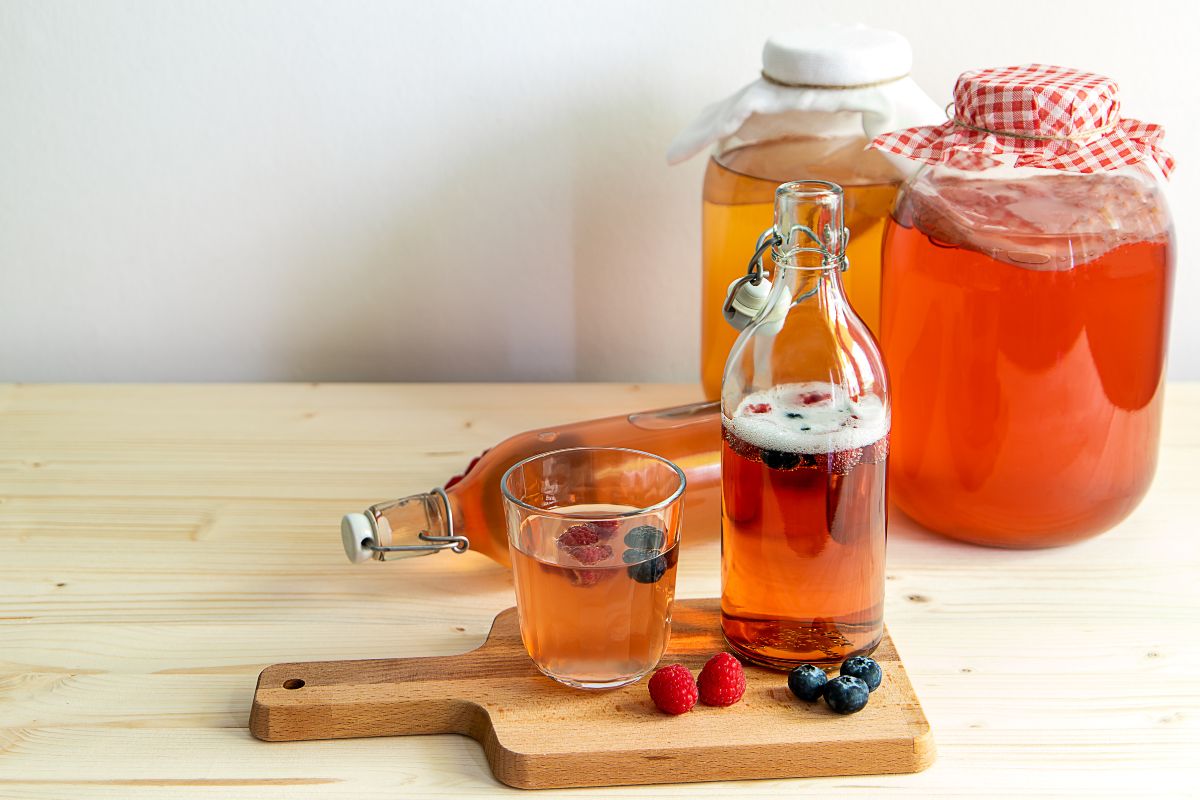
(538, 734)
(161, 545)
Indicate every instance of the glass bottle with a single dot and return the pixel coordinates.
(824, 92)
(468, 511)
(806, 416)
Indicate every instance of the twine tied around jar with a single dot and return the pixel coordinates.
(834, 87)
(1074, 137)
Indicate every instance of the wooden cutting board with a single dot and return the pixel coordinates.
(539, 734)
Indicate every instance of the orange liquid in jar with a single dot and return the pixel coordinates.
(802, 547)
(1027, 364)
(590, 625)
(739, 204)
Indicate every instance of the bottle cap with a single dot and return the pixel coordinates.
(357, 529)
(836, 56)
(748, 301)
(750, 298)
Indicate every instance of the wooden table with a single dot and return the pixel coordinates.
(160, 545)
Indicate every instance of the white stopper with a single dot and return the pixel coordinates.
(356, 529)
(836, 56)
(750, 299)
(743, 301)
(748, 302)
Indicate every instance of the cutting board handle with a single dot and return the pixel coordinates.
(387, 697)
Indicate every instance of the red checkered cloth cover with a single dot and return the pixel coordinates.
(1050, 117)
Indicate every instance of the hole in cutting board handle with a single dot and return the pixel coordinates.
(293, 683)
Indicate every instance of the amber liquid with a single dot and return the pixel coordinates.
(689, 436)
(1027, 386)
(802, 555)
(592, 626)
(739, 203)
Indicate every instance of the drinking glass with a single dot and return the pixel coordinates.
(593, 534)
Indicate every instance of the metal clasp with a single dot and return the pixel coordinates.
(754, 271)
(824, 246)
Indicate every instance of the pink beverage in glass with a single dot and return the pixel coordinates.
(594, 580)
(596, 611)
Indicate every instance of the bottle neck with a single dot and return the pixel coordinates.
(417, 525)
(812, 289)
(809, 245)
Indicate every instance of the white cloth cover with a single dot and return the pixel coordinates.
(837, 56)
(825, 58)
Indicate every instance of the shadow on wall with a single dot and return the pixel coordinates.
(452, 273)
(629, 310)
(517, 256)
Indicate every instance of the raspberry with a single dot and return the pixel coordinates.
(590, 553)
(466, 471)
(673, 689)
(577, 536)
(812, 398)
(722, 681)
(605, 529)
(759, 408)
(587, 577)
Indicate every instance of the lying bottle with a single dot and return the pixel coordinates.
(468, 514)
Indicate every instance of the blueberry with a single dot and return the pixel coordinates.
(807, 682)
(846, 694)
(645, 537)
(778, 459)
(648, 571)
(865, 669)
(636, 555)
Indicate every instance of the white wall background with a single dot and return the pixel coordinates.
(433, 190)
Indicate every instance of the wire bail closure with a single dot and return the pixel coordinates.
(451, 541)
(771, 240)
(824, 246)
(768, 239)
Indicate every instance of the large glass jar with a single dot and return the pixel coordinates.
(1025, 317)
(1026, 295)
(824, 92)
